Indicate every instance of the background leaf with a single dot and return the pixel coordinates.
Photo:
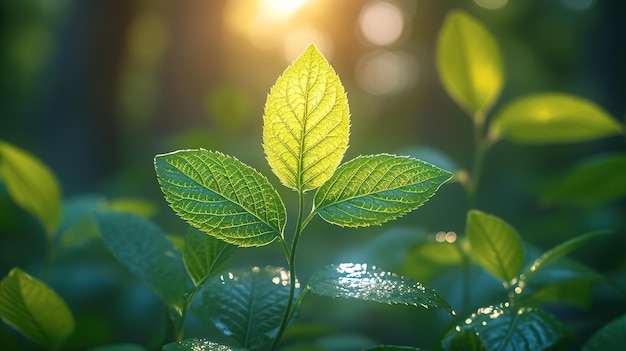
(374, 189)
(32, 185)
(553, 118)
(32, 308)
(198, 345)
(559, 251)
(469, 63)
(507, 328)
(221, 196)
(391, 348)
(246, 304)
(203, 254)
(610, 337)
(495, 245)
(307, 122)
(370, 283)
(119, 347)
(594, 182)
(147, 252)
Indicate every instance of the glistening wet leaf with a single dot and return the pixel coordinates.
(504, 327)
(246, 304)
(365, 282)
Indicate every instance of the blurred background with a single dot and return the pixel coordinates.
(96, 88)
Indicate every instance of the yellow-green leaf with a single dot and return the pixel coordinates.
(32, 185)
(307, 122)
(553, 118)
(495, 245)
(34, 309)
(469, 63)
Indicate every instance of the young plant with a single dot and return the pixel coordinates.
(305, 134)
(471, 71)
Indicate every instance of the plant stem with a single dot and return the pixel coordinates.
(291, 259)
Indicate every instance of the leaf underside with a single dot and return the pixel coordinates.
(34, 309)
(370, 283)
(306, 124)
(371, 190)
(245, 304)
(495, 245)
(221, 196)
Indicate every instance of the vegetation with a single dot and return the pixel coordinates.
(231, 207)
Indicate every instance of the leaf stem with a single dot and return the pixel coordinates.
(291, 259)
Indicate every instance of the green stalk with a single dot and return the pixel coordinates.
(291, 258)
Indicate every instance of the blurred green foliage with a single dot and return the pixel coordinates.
(96, 89)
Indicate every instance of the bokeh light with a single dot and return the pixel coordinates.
(381, 23)
(385, 72)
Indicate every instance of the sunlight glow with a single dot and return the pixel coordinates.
(381, 23)
(299, 39)
(263, 22)
(279, 8)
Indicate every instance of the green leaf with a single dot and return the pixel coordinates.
(559, 251)
(147, 252)
(553, 118)
(36, 311)
(203, 254)
(469, 63)
(32, 185)
(495, 245)
(371, 190)
(507, 328)
(221, 196)
(593, 183)
(246, 304)
(119, 347)
(306, 125)
(199, 345)
(610, 337)
(370, 283)
(391, 348)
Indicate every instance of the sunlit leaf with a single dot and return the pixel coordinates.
(221, 196)
(199, 345)
(506, 328)
(370, 283)
(559, 251)
(495, 245)
(147, 252)
(244, 304)
(203, 254)
(32, 185)
(36, 311)
(307, 122)
(610, 337)
(469, 63)
(371, 190)
(553, 118)
(592, 183)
